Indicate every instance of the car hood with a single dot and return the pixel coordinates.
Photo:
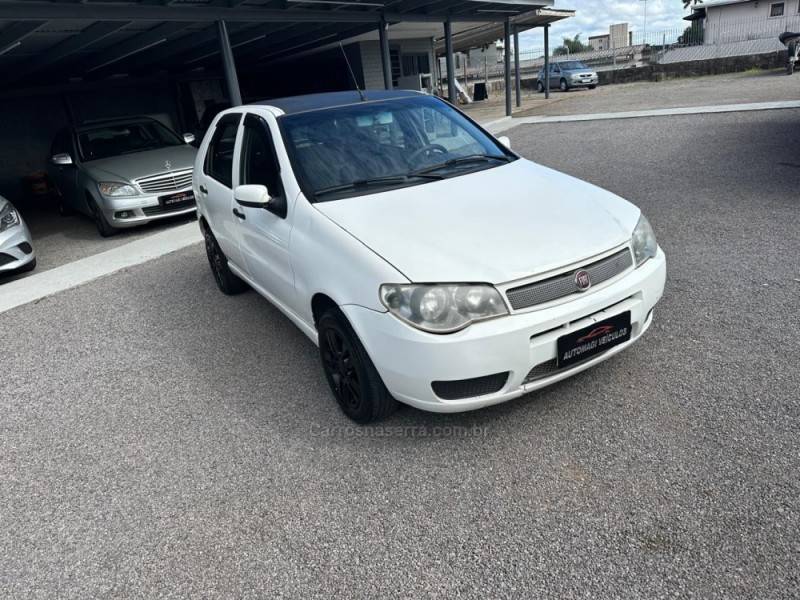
(129, 167)
(494, 226)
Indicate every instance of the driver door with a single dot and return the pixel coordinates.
(264, 232)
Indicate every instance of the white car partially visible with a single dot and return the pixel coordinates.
(430, 263)
(16, 245)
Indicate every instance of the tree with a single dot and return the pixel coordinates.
(572, 46)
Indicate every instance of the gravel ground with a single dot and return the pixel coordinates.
(158, 439)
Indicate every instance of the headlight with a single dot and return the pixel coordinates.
(442, 308)
(8, 217)
(643, 241)
(116, 190)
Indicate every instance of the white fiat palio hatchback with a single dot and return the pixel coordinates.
(430, 263)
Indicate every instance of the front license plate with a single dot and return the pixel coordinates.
(176, 198)
(589, 341)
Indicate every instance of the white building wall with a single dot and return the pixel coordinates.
(371, 61)
(749, 21)
(372, 65)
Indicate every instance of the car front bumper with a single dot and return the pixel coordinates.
(16, 248)
(137, 210)
(409, 360)
(584, 81)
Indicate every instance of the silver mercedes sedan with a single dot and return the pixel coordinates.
(16, 247)
(123, 173)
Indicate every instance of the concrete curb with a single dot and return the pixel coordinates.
(504, 124)
(40, 285)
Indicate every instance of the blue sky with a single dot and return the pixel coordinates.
(594, 16)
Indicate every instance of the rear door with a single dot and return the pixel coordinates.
(264, 233)
(215, 186)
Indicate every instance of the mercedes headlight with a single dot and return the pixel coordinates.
(643, 241)
(9, 217)
(112, 189)
(442, 308)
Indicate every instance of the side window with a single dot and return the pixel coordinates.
(259, 164)
(219, 157)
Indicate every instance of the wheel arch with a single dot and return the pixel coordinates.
(320, 303)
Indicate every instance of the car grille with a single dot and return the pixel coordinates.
(163, 210)
(6, 259)
(469, 388)
(563, 285)
(165, 182)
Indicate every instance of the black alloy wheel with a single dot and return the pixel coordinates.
(351, 375)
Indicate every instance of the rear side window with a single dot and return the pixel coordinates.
(219, 157)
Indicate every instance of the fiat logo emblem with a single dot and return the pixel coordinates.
(582, 281)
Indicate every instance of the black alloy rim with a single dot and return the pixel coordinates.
(340, 367)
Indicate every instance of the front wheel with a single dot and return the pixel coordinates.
(591, 87)
(104, 228)
(540, 87)
(351, 375)
(563, 86)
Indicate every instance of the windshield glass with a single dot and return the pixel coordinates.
(374, 146)
(572, 65)
(125, 138)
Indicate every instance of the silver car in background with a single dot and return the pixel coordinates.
(123, 173)
(568, 74)
(16, 246)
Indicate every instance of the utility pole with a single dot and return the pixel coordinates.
(644, 41)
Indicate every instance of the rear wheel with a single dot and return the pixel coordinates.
(540, 87)
(227, 281)
(351, 375)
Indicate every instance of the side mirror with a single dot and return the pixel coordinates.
(252, 196)
(503, 139)
(61, 160)
(189, 138)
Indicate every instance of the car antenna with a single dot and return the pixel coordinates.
(353, 75)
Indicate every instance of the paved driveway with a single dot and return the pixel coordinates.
(158, 439)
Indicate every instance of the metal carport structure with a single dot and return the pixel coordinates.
(90, 41)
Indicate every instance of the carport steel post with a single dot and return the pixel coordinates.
(228, 65)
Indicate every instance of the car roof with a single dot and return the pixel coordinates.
(297, 104)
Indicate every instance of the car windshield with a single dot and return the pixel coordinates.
(572, 65)
(125, 138)
(375, 146)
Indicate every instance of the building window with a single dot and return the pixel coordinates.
(414, 64)
(776, 9)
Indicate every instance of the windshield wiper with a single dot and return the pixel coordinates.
(377, 181)
(460, 160)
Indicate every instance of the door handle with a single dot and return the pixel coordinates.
(203, 189)
(241, 215)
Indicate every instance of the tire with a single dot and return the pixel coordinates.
(591, 87)
(228, 283)
(563, 85)
(790, 68)
(103, 226)
(351, 375)
(540, 87)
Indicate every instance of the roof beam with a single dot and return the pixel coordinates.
(138, 43)
(12, 36)
(92, 34)
(40, 11)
